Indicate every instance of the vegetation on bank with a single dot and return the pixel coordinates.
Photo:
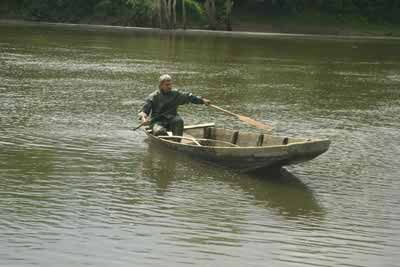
(214, 14)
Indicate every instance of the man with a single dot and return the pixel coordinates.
(160, 109)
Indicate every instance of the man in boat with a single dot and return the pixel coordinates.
(160, 110)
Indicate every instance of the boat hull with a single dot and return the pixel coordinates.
(250, 158)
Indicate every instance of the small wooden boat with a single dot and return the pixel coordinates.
(244, 151)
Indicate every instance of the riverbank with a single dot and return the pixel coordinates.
(291, 17)
(314, 24)
(237, 33)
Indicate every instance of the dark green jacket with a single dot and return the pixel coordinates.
(167, 103)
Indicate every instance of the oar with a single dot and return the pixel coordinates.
(140, 125)
(245, 119)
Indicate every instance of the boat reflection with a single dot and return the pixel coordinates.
(283, 191)
(278, 189)
(160, 166)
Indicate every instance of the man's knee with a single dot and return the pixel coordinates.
(176, 126)
(177, 121)
(159, 130)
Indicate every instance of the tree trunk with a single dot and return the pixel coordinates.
(209, 6)
(159, 10)
(183, 14)
(169, 12)
(228, 14)
(174, 13)
(214, 15)
(165, 10)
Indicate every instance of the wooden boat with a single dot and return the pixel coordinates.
(244, 151)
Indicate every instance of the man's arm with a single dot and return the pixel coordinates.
(185, 98)
(146, 110)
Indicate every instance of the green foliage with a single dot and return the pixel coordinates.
(141, 12)
(103, 8)
(373, 11)
(194, 9)
(60, 10)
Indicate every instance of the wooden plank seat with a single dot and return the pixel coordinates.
(204, 125)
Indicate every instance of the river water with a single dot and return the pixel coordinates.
(79, 188)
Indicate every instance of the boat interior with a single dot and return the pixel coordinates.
(209, 135)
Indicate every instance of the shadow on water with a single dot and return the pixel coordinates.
(281, 190)
(160, 166)
(276, 189)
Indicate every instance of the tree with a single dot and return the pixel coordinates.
(194, 7)
(141, 11)
(209, 6)
(228, 14)
(174, 13)
(183, 15)
(165, 13)
(159, 12)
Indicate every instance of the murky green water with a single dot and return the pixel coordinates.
(79, 188)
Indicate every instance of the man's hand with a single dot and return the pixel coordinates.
(145, 121)
(144, 118)
(206, 101)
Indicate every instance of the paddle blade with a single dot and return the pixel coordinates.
(255, 123)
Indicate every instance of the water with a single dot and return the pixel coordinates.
(78, 187)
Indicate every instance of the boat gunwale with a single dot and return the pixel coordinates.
(312, 141)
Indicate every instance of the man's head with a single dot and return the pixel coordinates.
(165, 83)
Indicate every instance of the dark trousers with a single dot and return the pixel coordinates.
(174, 124)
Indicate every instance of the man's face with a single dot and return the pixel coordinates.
(166, 86)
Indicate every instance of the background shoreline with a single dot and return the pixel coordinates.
(195, 31)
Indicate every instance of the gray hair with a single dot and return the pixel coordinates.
(164, 78)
